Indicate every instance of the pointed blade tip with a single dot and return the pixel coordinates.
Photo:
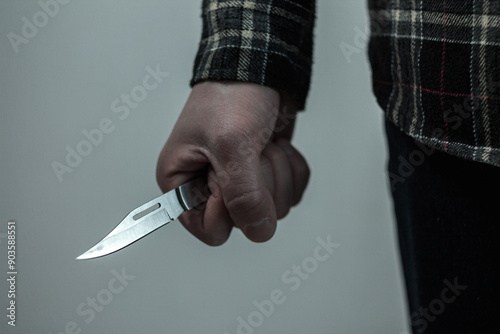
(92, 253)
(84, 256)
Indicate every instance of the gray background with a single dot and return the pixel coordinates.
(64, 80)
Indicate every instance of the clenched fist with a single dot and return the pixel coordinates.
(237, 134)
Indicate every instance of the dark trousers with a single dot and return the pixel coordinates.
(448, 220)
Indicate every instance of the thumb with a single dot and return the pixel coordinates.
(243, 181)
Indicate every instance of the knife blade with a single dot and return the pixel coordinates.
(151, 216)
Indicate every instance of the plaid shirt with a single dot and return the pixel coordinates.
(436, 72)
(435, 63)
(268, 42)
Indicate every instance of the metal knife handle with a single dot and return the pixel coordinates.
(193, 193)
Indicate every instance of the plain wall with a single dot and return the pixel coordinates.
(63, 81)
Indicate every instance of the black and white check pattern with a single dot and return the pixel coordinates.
(435, 63)
(436, 72)
(268, 42)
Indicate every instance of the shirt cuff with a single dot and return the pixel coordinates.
(260, 41)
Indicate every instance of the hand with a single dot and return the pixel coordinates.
(239, 135)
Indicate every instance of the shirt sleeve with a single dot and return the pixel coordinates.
(268, 42)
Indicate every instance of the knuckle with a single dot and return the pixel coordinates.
(164, 170)
(245, 202)
(162, 178)
(303, 169)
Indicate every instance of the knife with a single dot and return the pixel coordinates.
(151, 216)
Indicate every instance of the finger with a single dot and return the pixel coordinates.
(300, 169)
(178, 165)
(283, 179)
(246, 196)
(267, 172)
(210, 223)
